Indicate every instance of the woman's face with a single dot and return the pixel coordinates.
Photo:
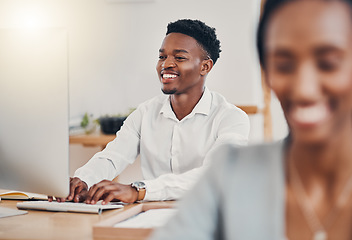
(309, 67)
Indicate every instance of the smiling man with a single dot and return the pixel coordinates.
(173, 132)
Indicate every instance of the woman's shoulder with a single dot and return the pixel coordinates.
(255, 157)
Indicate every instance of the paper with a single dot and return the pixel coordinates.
(8, 212)
(149, 219)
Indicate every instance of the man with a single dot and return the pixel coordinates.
(173, 132)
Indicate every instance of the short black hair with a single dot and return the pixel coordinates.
(270, 7)
(202, 33)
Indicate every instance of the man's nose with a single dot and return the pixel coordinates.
(168, 63)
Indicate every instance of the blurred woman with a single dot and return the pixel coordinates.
(299, 188)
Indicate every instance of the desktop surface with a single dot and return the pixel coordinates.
(50, 225)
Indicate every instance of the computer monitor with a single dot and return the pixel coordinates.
(34, 111)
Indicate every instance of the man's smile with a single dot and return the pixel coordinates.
(167, 77)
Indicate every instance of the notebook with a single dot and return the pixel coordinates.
(68, 206)
(17, 195)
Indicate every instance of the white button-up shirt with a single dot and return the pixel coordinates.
(173, 152)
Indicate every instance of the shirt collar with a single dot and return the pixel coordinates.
(202, 107)
(204, 104)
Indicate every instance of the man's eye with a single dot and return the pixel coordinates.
(161, 57)
(180, 58)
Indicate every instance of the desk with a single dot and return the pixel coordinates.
(94, 139)
(50, 225)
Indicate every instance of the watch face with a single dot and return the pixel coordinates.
(139, 185)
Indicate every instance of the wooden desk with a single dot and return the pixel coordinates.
(92, 140)
(50, 225)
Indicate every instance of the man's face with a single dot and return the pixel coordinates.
(180, 64)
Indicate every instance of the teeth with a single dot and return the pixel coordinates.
(169, 75)
(310, 114)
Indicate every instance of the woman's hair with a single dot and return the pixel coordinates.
(202, 33)
(270, 7)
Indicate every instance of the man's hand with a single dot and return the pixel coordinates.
(108, 191)
(78, 191)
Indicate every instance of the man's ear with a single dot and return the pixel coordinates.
(207, 65)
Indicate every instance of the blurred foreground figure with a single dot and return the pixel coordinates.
(299, 188)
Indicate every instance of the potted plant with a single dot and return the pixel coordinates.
(112, 124)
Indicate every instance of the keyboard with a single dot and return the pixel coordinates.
(68, 206)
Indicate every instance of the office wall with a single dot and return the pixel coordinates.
(113, 50)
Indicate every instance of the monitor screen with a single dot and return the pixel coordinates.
(34, 111)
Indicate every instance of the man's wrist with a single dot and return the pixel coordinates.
(141, 189)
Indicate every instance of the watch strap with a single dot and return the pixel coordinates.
(141, 189)
(141, 194)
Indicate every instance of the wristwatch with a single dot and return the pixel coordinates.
(140, 186)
